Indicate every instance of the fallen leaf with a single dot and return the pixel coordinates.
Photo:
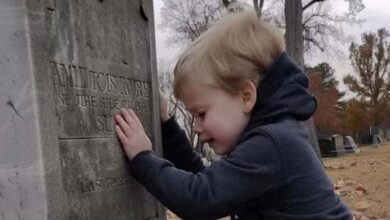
(361, 188)
(341, 166)
(359, 193)
(362, 205)
(357, 215)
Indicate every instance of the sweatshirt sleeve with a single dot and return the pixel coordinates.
(177, 148)
(227, 186)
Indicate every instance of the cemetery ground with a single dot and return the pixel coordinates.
(361, 180)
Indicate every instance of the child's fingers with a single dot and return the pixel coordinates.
(126, 115)
(121, 134)
(121, 122)
(134, 116)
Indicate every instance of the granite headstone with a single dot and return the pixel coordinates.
(65, 68)
(376, 141)
(338, 142)
(326, 147)
(350, 145)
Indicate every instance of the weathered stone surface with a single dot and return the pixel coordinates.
(65, 68)
(350, 145)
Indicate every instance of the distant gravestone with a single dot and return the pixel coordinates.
(376, 141)
(326, 147)
(387, 134)
(350, 145)
(332, 147)
(65, 68)
(338, 142)
(381, 133)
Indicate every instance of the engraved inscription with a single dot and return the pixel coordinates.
(86, 100)
(77, 77)
(90, 101)
(104, 183)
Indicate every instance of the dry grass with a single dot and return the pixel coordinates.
(363, 181)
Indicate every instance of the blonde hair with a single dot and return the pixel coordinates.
(238, 47)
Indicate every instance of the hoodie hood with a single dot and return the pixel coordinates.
(282, 94)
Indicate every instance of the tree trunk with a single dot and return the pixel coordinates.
(294, 30)
(294, 42)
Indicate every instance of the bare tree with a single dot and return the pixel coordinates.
(294, 44)
(294, 29)
(258, 5)
(187, 20)
(322, 24)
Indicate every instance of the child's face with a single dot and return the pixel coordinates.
(219, 116)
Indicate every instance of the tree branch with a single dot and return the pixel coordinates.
(311, 3)
(258, 7)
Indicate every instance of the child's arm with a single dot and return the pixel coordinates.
(164, 109)
(176, 146)
(232, 185)
(228, 186)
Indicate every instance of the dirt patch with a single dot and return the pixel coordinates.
(363, 181)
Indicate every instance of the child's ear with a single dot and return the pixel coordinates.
(248, 95)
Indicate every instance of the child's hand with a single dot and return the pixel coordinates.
(131, 133)
(164, 115)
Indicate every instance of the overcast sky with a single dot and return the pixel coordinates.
(376, 14)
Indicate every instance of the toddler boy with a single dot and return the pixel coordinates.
(248, 99)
